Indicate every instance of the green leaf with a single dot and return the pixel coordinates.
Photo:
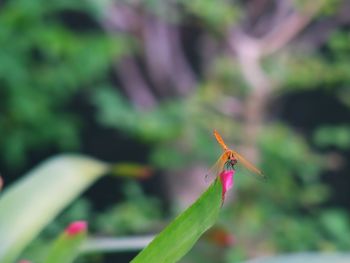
(30, 204)
(179, 237)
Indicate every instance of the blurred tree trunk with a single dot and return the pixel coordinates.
(162, 70)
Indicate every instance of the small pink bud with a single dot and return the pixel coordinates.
(145, 172)
(24, 261)
(76, 227)
(1, 183)
(226, 178)
(220, 237)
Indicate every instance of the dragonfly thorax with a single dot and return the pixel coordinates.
(231, 156)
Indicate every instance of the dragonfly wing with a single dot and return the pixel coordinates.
(216, 169)
(250, 168)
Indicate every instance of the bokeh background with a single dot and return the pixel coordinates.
(148, 81)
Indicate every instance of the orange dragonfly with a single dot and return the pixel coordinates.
(231, 159)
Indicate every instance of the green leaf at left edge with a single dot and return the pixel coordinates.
(180, 236)
(27, 206)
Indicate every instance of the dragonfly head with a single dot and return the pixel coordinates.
(233, 161)
(231, 158)
(230, 164)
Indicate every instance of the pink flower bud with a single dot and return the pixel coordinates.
(226, 178)
(76, 227)
(1, 183)
(220, 237)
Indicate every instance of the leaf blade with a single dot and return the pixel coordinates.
(182, 233)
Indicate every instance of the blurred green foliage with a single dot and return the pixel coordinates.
(215, 16)
(135, 215)
(338, 136)
(159, 124)
(45, 63)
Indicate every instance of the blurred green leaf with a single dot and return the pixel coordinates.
(338, 136)
(336, 224)
(31, 203)
(42, 68)
(159, 124)
(138, 213)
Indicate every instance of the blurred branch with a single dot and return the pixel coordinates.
(158, 57)
(134, 84)
(120, 17)
(107, 244)
(164, 57)
(287, 27)
(228, 106)
(322, 30)
(248, 53)
(182, 75)
(250, 50)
